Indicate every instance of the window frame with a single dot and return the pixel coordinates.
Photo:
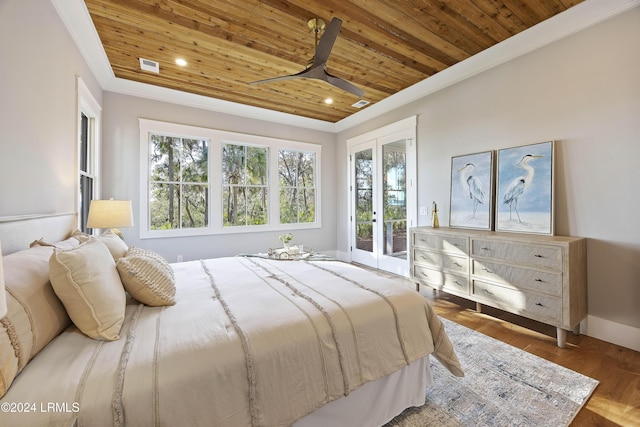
(216, 140)
(90, 108)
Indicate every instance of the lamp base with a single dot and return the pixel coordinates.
(117, 233)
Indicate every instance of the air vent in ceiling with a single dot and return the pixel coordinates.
(149, 65)
(360, 103)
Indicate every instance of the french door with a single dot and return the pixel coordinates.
(382, 201)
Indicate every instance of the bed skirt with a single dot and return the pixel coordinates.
(377, 402)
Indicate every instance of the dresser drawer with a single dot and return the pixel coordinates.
(441, 260)
(522, 278)
(534, 255)
(533, 305)
(442, 281)
(451, 244)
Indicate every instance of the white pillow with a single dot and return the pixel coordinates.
(147, 277)
(87, 282)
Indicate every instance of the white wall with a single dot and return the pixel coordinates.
(582, 91)
(38, 68)
(121, 174)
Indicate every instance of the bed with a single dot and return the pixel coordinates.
(237, 341)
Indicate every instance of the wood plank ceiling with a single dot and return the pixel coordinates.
(384, 46)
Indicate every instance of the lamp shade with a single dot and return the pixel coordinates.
(3, 295)
(110, 214)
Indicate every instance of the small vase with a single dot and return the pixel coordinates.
(434, 219)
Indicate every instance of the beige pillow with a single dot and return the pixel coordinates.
(147, 277)
(86, 281)
(114, 243)
(35, 315)
(69, 243)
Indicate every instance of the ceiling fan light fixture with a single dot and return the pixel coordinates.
(316, 25)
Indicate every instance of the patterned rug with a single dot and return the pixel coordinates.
(503, 387)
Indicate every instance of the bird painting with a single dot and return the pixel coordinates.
(519, 185)
(473, 185)
(472, 196)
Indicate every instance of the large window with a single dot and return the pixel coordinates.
(204, 181)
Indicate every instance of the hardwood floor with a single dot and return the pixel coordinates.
(615, 401)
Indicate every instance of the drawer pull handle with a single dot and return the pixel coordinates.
(457, 264)
(540, 304)
(485, 249)
(487, 291)
(538, 256)
(457, 283)
(539, 280)
(424, 274)
(487, 270)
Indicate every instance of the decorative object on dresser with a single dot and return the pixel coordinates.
(434, 216)
(471, 193)
(524, 203)
(540, 277)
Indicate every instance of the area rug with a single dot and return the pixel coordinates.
(503, 386)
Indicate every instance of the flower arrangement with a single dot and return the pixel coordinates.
(286, 238)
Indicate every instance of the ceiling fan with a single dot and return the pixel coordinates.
(318, 66)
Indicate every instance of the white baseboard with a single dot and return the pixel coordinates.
(342, 256)
(615, 333)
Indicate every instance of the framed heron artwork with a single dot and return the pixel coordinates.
(524, 199)
(472, 189)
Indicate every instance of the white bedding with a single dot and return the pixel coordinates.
(249, 342)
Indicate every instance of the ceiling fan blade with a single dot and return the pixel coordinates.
(344, 85)
(318, 69)
(326, 41)
(277, 79)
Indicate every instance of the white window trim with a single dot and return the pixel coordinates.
(216, 138)
(88, 106)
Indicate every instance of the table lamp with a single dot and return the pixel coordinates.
(110, 214)
(3, 295)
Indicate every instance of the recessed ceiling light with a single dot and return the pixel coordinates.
(328, 101)
(181, 62)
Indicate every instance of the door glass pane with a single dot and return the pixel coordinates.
(364, 199)
(394, 190)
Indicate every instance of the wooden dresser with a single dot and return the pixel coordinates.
(540, 277)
